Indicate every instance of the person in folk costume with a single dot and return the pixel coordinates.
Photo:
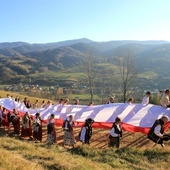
(66, 102)
(165, 102)
(5, 119)
(26, 130)
(130, 101)
(1, 117)
(28, 105)
(25, 101)
(115, 133)
(76, 102)
(86, 131)
(17, 99)
(156, 133)
(35, 105)
(145, 100)
(61, 101)
(68, 125)
(37, 127)
(51, 132)
(15, 119)
(43, 104)
(91, 103)
(48, 104)
(111, 100)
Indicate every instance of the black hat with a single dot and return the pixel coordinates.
(89, 120)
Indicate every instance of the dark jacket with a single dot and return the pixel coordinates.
(151, 135)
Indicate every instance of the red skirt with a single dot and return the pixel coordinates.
(5, 123)
(16, 126)
(26, 132)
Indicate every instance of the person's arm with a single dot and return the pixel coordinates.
(1, 116)
(82, 135)
(112, 132)
(157, 131)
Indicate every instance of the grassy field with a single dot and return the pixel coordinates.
(3, 94)
(27, 155)
(136, 152)
(82, 97)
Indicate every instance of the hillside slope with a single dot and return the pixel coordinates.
(20, 62)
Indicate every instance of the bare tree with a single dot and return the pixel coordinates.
(89, 72)
(126, 66)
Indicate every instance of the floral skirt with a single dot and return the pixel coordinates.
(51, 137)
(69, 138)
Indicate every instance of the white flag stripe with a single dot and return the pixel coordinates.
(132, 114)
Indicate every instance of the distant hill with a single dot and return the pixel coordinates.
(20, 59)
(12, 44)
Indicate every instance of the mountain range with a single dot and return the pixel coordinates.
(52, 62)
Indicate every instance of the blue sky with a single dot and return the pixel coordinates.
(42, 21)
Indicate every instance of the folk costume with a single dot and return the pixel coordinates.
(28, 105)
(51, 132)
(68, 133)
(1, 117)
(145, 100)
(156, 133)
(5, 118)
(37, 128)
(115, 134)
(165, 102)
(86, 131)
(15, 119)
(26, 130)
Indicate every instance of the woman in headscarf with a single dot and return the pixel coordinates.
(37, 127)
(51, 132)
(15, 119)
(68, 125)
(26, 126)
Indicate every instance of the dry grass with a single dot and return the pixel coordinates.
(17, 154)
(136, 152)
(40, 156)
(3, 94)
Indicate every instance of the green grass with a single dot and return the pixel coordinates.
(17, 154)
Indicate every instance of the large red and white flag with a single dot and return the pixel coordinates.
(135, 117)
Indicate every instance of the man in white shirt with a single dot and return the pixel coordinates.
(165, 99)
(156, 133)
(145, 100)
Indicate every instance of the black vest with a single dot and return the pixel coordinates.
(151, 135)
(117, 130)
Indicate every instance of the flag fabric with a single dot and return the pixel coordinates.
(135, 117)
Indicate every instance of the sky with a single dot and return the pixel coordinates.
(44, 21)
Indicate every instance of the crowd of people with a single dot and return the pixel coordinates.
(27, 126)
(164, 101)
